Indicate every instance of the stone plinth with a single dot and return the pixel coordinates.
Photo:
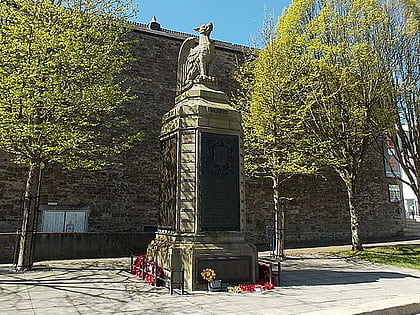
(202, 217)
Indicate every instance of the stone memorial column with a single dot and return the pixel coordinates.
(202, 215)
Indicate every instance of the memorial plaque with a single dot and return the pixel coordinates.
(219, 183)
(167, 194)
(235, 268)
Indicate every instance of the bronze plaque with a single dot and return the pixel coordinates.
(235, 268)
(219, 203)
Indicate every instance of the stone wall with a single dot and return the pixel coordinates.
(49, 246)
(124, 198)
(323, 218)
(318, 212)
(12, 186)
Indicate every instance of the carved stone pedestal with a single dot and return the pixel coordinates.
(202, 217)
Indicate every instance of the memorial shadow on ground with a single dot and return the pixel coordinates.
(313, 277)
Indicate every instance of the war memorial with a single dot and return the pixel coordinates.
(202, 218)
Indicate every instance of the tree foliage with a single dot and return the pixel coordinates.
(59, 88)
(323, 80)
(58, 93)
(404, 63)
(272, 80)
(351, 107)
(414, 8)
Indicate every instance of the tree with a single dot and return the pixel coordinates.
(414, 7)
(350, 105)
(59, 93)
(404, 64)
(325, 82)
(271, 80)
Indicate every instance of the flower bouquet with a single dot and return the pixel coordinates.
(213, 285)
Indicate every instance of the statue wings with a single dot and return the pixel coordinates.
(185, 65)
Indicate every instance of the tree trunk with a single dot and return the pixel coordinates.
(25, 243)
(417, 187)
(278, 221)
(354, 217)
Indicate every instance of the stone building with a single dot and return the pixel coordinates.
(114, 211)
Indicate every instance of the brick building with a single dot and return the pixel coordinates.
(113, 211)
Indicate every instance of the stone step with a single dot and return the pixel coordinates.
(412, 228)
(408, 232)
(413, 223)
(412, 234)
(416, 219)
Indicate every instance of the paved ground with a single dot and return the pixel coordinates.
(311, 283)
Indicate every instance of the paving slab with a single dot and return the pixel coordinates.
(310, 283)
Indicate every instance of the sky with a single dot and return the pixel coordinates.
(235, 21)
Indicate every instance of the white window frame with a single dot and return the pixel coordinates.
(64, 220)
(394, 192)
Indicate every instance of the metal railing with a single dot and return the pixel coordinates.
(274, 269)
(148, 270)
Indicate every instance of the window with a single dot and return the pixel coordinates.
(64, 221)
(394, 193)
(392, 167)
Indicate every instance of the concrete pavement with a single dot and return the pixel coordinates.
(311, 283)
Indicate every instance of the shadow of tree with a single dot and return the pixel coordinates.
(113, 284)
(309, 277)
